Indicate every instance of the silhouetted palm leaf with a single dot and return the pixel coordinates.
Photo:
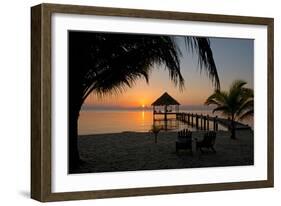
(202, 47)
(109, 63)
(247, 108)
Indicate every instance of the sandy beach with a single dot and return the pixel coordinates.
(130, 151)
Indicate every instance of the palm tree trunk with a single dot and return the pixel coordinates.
(73, 153)
(233, 133)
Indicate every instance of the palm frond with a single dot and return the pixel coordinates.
(206, 60)
(246, 109)
(224, 109)
(107, 63)
(246, 115)
(217, 98)
(236, 86)
(238, 102)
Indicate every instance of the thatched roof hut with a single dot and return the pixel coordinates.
(165, 100)
(165, 105)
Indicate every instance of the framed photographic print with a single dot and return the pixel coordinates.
(135, 102)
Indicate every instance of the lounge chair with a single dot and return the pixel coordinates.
(184, 140)
(207, 142)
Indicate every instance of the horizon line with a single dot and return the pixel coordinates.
(94, 107)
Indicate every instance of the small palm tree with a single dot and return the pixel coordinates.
(155, 130)
(236, 104)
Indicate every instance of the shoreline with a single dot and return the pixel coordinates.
(118, 133)
(117, 121)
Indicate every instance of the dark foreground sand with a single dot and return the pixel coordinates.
(129, 151)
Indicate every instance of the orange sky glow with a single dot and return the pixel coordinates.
(234, 60)
(143, 94)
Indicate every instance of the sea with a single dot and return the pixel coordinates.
(140, 120)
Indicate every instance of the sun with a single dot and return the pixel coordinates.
(143, 105)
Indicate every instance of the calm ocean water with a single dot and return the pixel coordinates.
(113, 121)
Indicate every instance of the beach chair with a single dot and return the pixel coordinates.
(184, 140)
(207, 142)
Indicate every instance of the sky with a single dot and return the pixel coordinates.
(234, 59)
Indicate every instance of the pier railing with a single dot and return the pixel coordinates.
(205, 122)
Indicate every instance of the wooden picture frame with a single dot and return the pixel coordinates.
(41, 116)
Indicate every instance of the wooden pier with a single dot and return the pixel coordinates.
(204, 122)
(166, 106)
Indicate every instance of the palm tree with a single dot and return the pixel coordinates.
(236, 104)
(109, 63)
